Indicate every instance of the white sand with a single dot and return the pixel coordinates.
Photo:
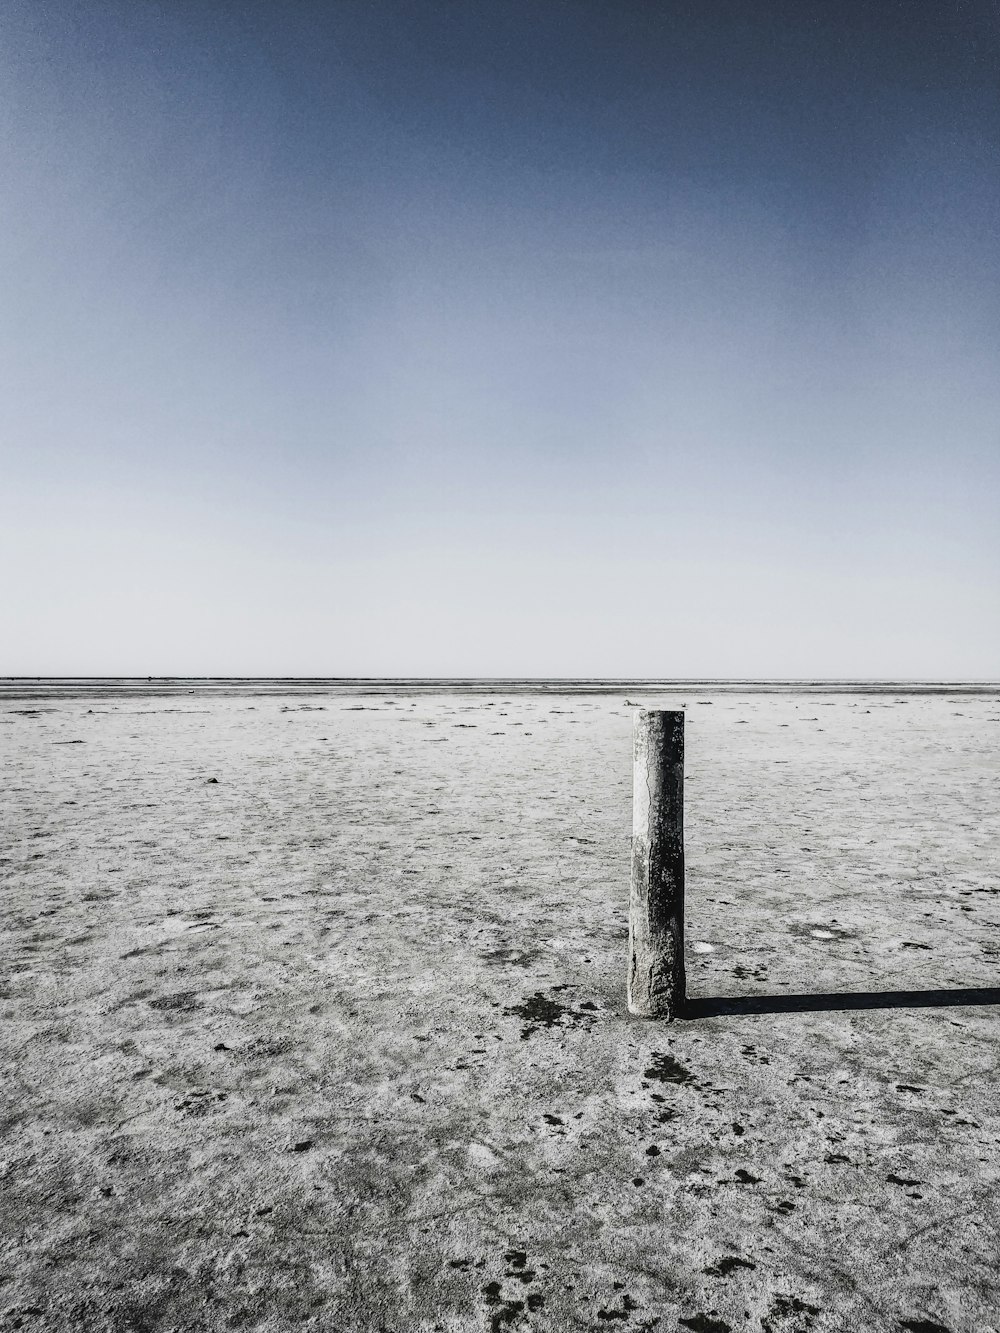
(350, 909)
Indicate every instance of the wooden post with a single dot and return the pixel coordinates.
(656, 897)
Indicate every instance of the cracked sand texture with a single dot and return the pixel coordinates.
(338, 1040)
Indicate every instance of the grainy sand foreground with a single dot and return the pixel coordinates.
(313, 1016)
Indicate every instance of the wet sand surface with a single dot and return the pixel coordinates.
(313, 1014)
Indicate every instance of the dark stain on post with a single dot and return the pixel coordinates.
(656, 901)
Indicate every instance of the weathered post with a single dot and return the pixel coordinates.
(656, 897)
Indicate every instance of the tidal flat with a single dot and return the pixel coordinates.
(312, 1012)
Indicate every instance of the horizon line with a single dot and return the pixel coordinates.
(524, 680)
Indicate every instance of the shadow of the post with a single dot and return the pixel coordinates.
(719, 1006)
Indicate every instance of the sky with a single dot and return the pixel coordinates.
(535, 338)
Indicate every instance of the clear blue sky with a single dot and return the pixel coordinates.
(533, 338)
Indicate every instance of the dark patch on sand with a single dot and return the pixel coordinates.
(703, 1323)
(506, 1312)
(787, 1307)
(665, 1069)
(628, 1305)
(727, 1265)
(540, 1011)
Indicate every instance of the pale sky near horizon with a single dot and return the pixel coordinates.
(534, 339)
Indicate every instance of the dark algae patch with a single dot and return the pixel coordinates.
(784, 1308)
(665, 1069)
(518, 1260)
(537, 1011)
(704, 1323)
(505, 1313)
(628, 1305)
(540, 1011)
(726, 1266)
(745, 1178)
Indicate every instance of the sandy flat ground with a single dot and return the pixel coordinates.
(313, 1016)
